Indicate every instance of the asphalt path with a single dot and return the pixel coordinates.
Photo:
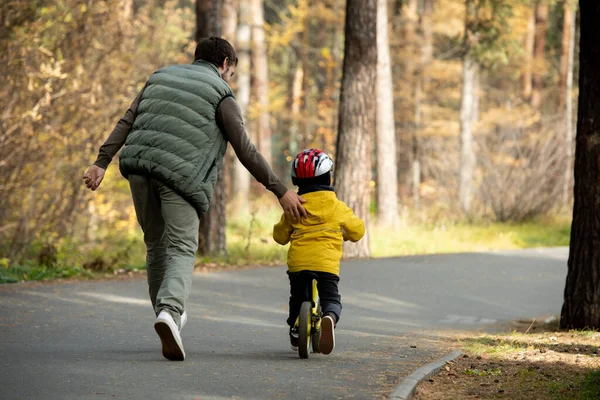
(95, 339)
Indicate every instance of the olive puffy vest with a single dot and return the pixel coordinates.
(175, 138)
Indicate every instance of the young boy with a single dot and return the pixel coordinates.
(316, 242)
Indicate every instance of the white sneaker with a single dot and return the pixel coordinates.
(183, 320)
(166, 328)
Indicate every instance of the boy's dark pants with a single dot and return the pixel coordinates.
(327, 285)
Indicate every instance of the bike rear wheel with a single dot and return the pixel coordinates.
(304, 325)
(315, 335)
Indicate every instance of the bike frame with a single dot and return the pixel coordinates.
(316, 318)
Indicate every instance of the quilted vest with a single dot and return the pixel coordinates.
(175, 138)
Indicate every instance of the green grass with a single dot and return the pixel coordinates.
(589, 333)
(557, 390)
(573, 387)
(402, 241)
(32, 272)
(591, 386)
(491, 346)
(418, 239)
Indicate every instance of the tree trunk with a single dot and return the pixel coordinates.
(476, 97)
(212, 224)
(357, 115)
(410, 16)
(229, 22)
(213, 239)
(416, 164)
(528, 59)
(208, 18)
(229, 16)
(261, 80)
(539, 64)
(568, 96)
(241, 177)
(387, 182)
(467, 156)
(565, 54)
(305, 126)
(295, 134)
(422, 82)
(581, 308)
(408, 63)
(426, 29)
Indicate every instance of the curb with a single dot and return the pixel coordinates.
(406, 389)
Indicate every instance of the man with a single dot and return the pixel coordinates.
(175, 135)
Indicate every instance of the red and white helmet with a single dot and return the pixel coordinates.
(311, 163)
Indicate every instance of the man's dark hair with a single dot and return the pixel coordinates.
(214, 50)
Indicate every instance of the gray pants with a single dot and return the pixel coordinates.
(170, 226)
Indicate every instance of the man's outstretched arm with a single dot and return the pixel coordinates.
(229, 118)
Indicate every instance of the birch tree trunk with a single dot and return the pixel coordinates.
(581, 308)
(357, 115)
(565, 54)
(261, 80)
(241, 177)
(467, 156)
(476, 97)
(387, 182)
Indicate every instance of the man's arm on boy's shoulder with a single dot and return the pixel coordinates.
(353, 227)
(282, 231)
(231, 123)
(229, 118)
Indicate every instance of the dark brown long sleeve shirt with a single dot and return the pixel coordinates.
(229, 119)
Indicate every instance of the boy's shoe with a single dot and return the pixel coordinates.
(166, 328)
(294, 338)
(327, 342)
(183, 321)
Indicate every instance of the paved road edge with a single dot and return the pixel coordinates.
(406, 389)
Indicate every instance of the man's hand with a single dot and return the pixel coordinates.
(93, 177)
(292, 206)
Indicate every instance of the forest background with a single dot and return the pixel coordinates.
(482, 122)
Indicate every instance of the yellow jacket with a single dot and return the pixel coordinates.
(316, 241)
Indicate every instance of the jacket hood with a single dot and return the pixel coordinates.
(320, 205)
